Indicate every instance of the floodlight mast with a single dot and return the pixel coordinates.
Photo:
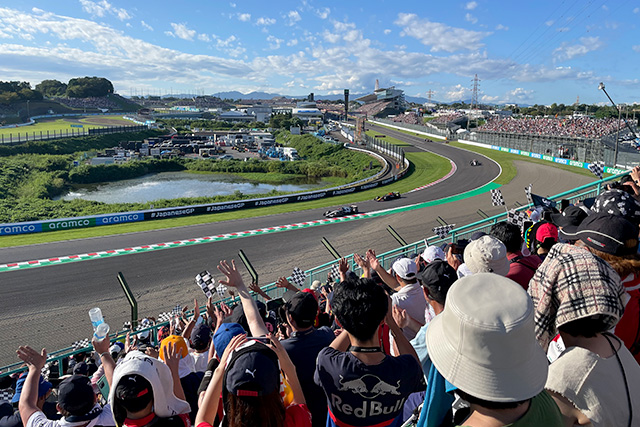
(615, 156)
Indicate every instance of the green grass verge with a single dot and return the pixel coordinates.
(408, 132)
(424, 168)
(509, 170)
(387, 138)
(61, 125)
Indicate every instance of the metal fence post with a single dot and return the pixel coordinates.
(132, 300)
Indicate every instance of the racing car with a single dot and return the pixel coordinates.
(475, 162)
(342, 211)
(389, 196)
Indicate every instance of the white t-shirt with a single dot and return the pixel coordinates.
(411, 298)
(39, 419)
(200, 360)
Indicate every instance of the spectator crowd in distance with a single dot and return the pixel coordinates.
(533, 327)
(574, 127)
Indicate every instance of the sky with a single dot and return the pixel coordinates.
(522, 52)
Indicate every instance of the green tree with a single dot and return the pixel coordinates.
(84, 87)
(51, 88)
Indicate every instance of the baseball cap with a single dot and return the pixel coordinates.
(134, 392)
(252, 370)
(303, 308)
(315, 285)
(81, 369)
(545, 231)
(438, 277)
(200, 336)
(224, 334)
(405, 268)
(608, 233)
(76, 396)
(618, 202)
(431, 253)
(43, 387)
(178, 342)
(487, 255)
(570, 218)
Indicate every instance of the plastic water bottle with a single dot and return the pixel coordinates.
(102, 331)
(95, 314)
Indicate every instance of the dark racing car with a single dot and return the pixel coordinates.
(389, 196)
(342, 211)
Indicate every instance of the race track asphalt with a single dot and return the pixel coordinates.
(47, 306)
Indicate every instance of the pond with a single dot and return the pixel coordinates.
(172, 185)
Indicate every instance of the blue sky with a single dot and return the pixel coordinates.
(523, 52)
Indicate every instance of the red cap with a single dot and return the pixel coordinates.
(545, 231)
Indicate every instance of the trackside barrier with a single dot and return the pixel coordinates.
(320, 272)
(182, 211)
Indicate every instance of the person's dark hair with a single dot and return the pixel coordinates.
(360, 306)
(587, 327)
(509, 234)
(487, 404)
(547, 244)
(133, 393)
(267, 410)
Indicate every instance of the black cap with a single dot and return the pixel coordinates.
(134, 392)
(618, 202)
(569, 219)
(437, 277)
(607, 233)
(303, 308)
(81, 369)
(76, 395)
(200, 336)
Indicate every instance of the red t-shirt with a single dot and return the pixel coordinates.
(522, 270)
(294, 416)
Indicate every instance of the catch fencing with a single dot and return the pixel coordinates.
(21, 137)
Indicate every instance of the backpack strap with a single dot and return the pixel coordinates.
(517, 260)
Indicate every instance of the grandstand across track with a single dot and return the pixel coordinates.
(47, 306)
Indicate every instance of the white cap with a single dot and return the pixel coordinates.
(406, 268)
(432, 253)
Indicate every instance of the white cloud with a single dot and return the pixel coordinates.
(563, 29)
(36, 10)
(519, 94)
(471, 5)
(501, 27)
(387, 32)
(274, 42)
(586, 45)
(605, 7)
(293, 16)
(636, 48)
(292, 42)
(470, 18)
(181, 31)
(323, 13)
(487, 99)
(102, 8)
(265, 21)
(636, 10)
(244, 17)
(232, 4)
(440, 37)
(204, 37)
(549, 23)
(146, 26)
(456, 93)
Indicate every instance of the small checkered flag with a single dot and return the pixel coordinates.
(221, 290)
(207, 283)
(165, 316)
(527, 192)
(126, 326)
(6, 395)
(597, 168)
(334, 274)
(496, 197)
(298, 277)
(517, 217)
(46, 370)
(444, 230)
(77, 345)
(177, 310)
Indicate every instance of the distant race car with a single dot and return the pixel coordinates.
(475, 162)
(342, 211)
(389, 196)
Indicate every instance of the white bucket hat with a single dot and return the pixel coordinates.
(484, 342)
(487, 255)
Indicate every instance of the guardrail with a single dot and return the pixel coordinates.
(320, 272)
(182, 211)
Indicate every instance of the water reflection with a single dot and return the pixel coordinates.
(172, 185)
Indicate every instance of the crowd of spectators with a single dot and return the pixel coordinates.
(409, 118)
(574, 127)
(446, 118)
(101, 102)
(373, 108)
(519, 327)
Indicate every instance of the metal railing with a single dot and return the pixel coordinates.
(386, 259)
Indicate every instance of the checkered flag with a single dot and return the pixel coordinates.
(221, 290)
(207, 283)
(165, 316)
(527, 192)
(496, 197)
(126, 326)
(334, 274)
(517, 217)
(298, 277)
(45, 371)
(597, 168)
(77, 345)
(444, 230)
(6, 395)
(177, 310)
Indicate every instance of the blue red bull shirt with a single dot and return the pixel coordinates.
(365, 395)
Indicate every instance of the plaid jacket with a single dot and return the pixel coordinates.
(571, 284)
